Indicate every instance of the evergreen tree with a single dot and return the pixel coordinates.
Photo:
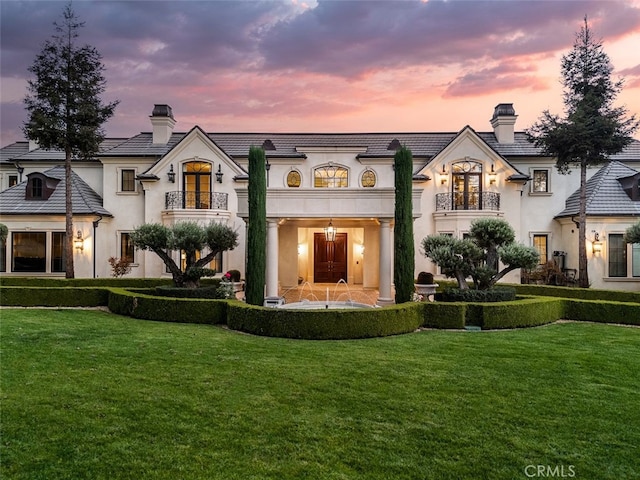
(64, 108)
(257, 231)
(592, 130)
(404, 253)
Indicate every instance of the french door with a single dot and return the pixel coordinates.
(330, 258)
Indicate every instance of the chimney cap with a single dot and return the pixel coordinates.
(162, 110)
(504, 110)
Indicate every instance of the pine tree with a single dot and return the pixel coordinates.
(64, 108)
(257, 231)
(592, 130)
(404, 254)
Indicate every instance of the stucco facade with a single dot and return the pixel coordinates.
(347, 180)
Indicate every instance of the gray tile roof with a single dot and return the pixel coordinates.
(605, 196)
(84, 199)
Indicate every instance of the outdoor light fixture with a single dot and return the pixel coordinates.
(330, 232)
(492, 176)
(171, 174)
(78, 242)
(219, 174)
(443, 175)
(597, 244)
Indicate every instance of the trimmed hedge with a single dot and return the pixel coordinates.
(577, 293)
(53, 296)
(167, 309)
(444, 315)
(210, 292)
(497, 294)
(526, 312)
(604, 312)
(94, 282)
(332, 324)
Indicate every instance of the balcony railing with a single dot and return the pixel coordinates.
(468, 201)
(196, 200)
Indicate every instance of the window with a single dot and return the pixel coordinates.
(58, 257)
(127, 180)
(540, 181)
(3, 255)
(294, 179)
(369, 178)
(29, 252)
(467, 185)
(127, 250)
(617, 255)
(13, 180)
(36, 188)
(215, 264)
(197, 185)
(635, 259)
(331, 176)
(540, 244)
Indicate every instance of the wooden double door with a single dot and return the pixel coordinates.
(330, 258)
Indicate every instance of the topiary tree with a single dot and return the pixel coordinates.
(490, 241)
(257, 231)
(632, 234)
(189, 238)
(404, 253)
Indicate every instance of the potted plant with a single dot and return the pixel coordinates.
(425, 287)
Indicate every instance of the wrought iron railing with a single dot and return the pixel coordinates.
(468, 201)
(196, 200)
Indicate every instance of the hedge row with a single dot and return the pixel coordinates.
(167, 309)
(578, 293)
(604, 312)
(93, 282)
(53, 296)
(329, 324)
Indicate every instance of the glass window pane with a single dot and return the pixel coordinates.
(331, 177)
(58, 263)
(540, 180)
(635, 259)
(127, 249)
(29, 251)
(540, 244)
(617, 255)
(128, 181)
(293, 179)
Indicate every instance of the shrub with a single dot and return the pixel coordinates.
(209, 291)
(602, 311)
(425, 278)
(233, 275)
(497, 294)
(325, 324)
(444, 315)
(525, 312)
(119, 266)
(54, 296)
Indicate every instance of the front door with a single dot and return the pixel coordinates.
(330, 258)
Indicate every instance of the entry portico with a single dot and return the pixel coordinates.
(296, 248)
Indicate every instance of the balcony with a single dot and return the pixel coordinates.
(196, 201)
(453, 201)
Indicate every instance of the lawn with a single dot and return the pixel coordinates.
(91, 395)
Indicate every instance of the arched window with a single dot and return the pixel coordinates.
(197, 185)
(467, 184)
(368, 178)
(294, 179)
(330, 176)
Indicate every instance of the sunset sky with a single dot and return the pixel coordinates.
(323, 66)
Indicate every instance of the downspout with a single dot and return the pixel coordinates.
(95, 228)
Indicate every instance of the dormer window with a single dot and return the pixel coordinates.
(40, 187)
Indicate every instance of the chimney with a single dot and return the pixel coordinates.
(163, 123)
(503, 121)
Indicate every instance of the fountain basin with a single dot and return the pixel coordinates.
(319, 305)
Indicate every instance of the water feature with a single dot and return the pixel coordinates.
(312, 302)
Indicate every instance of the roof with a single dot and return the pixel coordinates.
(375, 145)
(605, 195)
(84, 199)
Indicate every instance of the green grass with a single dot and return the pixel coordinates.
(91, 395)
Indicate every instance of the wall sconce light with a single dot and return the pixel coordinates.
(330, 232)
(219, 174)
(361, 249)
(171, 174)
(78, 242)
(597, 244)
(443, 175)
(492, 176)
(299, 249)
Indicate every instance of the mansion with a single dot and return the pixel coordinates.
(314, 181)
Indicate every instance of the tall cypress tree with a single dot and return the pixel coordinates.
(64, 105)
(404, 251)
(257, 232)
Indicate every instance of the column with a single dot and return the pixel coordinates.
(272, 258)
(385, 297)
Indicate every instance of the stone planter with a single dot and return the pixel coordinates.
(426, 290)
